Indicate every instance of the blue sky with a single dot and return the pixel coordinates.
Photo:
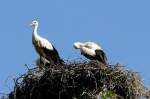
(121, 27)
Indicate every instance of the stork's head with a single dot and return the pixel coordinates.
(78, 45)
(34, 23)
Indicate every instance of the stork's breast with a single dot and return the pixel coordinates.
(38, 47)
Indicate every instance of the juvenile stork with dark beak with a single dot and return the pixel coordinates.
(91, 51)
(43, 47)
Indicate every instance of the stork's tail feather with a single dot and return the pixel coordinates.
(61, 61)
(104, 62)
(57, 62)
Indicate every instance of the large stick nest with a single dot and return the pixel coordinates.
(78, 80)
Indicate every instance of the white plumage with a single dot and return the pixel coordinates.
(91, 51)
(43, 47)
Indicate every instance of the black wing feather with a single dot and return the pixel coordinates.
(52, 56)
(101, 56)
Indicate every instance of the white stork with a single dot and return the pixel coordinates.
(43, 47)
(91, 51)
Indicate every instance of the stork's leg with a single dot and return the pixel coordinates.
(40, 63)
(44, 62)
(40, 60)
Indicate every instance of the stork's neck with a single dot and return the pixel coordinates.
(35, 31)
